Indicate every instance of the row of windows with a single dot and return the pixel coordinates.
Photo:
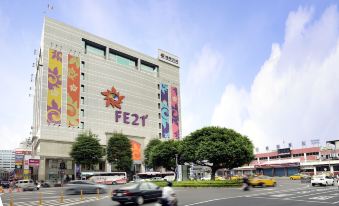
(118, 57)
(294, 155)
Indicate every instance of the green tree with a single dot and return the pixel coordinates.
(119, 152)
(217, 148)
(87, 149)
(164, 154)
(147, 152)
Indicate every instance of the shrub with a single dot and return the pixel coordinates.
(202, 183)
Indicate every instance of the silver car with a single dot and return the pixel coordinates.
(74, 187)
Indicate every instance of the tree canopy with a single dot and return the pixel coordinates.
(147, 152)
(86, 149)
(164, 154)
(119, 152)
(217, 148)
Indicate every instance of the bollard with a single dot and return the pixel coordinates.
(62, 197)
(81, 195)
(11, 200)
(40, 199)
(98, 193)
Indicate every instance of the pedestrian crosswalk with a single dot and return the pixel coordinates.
(66, 202)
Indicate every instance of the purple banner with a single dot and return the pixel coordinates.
(164, 111)
(175, 113)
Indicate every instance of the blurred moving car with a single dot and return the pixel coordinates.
(76, 186)
(236, 177)
(137, 193)
(46, 184)
(305, 178)
(263, 181)
(323, 180)
(296, 176)
(27, 185)
(5, 184)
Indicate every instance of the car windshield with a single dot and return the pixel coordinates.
(130, 186)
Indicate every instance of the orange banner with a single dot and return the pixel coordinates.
(136, 150)
(73, 91)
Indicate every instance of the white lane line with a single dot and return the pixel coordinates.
(288, 199)
(213, 200)
(313, 194)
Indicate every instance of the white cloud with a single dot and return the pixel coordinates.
(295, 95)
(197, 89)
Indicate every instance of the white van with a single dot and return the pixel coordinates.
(27, 185)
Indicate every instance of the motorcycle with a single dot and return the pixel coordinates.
(165, 202)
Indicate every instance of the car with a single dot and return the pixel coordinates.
(262, 181)
(27, 185)
(236, 177)
(46, 184)
(137, 193)
(5, 184)
(305, 178)
(323, 180)
(87, 187)
(296, 176)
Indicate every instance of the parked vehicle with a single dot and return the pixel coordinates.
(296, 176)
(87, 187)
(263, 181)
(323, 180)
(137, 193)
(27, 185)
(5, 184)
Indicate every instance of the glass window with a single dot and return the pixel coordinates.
(82, 112)
(124, 61)
(82, 125)
(82, 76)
(144, 186)
(82, 100)
(83, 88)
(147, 68)
(95, 50)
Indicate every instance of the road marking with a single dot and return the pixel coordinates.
(213, 200)
(321, 198)
(272, 198)
(281, 195)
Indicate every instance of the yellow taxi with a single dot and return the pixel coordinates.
(263, 181)
(296, 176)
(236, 177)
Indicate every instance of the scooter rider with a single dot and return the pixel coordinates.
(169, 196)
(246, 183)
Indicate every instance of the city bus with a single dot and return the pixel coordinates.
(107, 178)
(149, 176)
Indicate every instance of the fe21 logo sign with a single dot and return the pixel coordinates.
(114, 99)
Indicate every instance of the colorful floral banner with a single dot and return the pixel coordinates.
(54, 92)
(164, 111)
(175, 112)
(73, 91)
(136, 150)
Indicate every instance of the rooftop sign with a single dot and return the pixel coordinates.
(168, 58)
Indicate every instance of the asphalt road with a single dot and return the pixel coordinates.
(286, 193)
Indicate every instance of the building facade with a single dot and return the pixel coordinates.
(87, 83)
(288, 161)
(7, 163)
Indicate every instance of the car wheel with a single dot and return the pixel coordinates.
(263, 185)
(140, 200)
(274, 184)
(291, 178)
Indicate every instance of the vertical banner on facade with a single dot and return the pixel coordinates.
(73, 90)
(175, 112)
(54, 87)
(136, 150)
(164, 110)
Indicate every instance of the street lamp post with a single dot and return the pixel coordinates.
(176, 167)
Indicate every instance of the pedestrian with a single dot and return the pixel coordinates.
(246, 183)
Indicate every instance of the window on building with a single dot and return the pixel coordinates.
(159, 86)
(82, 125)
(159, 125)
(159, 115)
(158, 105)
(123, 59)
(82, 88)
(148, 67)
(94, 48)
(158, 96)
(82, 100)
(82, 111)
(159, 135)
(82, 76)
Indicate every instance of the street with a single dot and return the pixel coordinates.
(287, 192)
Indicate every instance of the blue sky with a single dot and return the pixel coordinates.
(235, 55)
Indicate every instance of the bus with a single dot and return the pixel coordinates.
(107, 178)
(149, 176)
